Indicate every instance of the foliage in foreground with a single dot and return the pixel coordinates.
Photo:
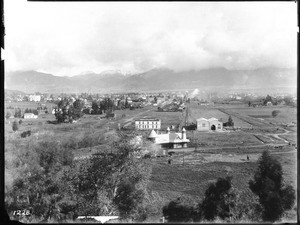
(55, 187)
(223, 203)
(274, 197)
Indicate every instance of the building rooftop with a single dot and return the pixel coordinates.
(147, 119)
(202, 119)
(153, 134)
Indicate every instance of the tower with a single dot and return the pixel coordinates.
(183, 134)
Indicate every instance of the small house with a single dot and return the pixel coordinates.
(30, 116)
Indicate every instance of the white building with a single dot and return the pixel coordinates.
(209, 124)
(170, 140)
(34, 98)
(148, 124)
(30, 116)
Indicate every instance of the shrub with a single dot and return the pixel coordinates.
(26, 134)
(20, 122)
(15, 126)
(127, 199)
(274, 197)
(8, 114)
(219, 200)
(175, 211)
(275, 113)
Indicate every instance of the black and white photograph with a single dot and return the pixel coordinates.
(150, 112)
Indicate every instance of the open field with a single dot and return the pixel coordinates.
(262, 116)
(198, 111)
(24, 105)
(225, 139)
(190, 174)
(218, 153)
(167, 118)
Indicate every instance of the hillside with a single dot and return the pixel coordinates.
(156, 79)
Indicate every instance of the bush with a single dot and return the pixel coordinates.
(175, 211)
(127, 199)
(219, 200)
(20, 122)
(274, 197)
(15, 126)
(26, 134)
(275, 113)
(8, 114)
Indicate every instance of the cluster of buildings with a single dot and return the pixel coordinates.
(171, 139)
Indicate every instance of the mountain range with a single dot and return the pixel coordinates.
(153, 80)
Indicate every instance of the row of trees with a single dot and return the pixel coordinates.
(68, 111)
(288, 100)
(108, 105)
(222, 200)
(18, 113)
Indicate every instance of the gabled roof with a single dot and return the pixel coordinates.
(147, 119)
(153, 134)
(28, 114)
(212, 119)
(202, 119)
(170, 138)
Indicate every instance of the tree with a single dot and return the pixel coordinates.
(268, 99)
(126, 103)
(275, 113)
(274, 196)
(67, 112)
(15, 126)
(219, 200)
(230, 122)
(95, 107)
(176, 211)
(75, 111)
(128, 198)
(20, 122)
(288, 100)
(18, 113)
(8, 115)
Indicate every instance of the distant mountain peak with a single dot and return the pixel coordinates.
(155, 79)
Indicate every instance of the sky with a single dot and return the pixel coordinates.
(71, 38)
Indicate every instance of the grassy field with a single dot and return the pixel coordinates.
(198, 111)
(286, 114)
(24, 105)
(224, 139)
(189, 178)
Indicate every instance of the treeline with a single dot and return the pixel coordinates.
(67, 111)
(222, 201)
(18, 112)
(55, 187)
